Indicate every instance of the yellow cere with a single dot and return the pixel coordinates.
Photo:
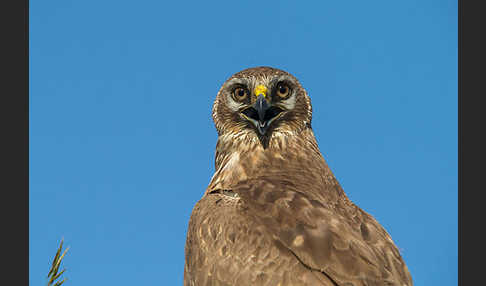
(261, 89)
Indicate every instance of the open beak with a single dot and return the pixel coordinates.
(262, 114)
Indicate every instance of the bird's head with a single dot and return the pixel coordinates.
(262, 101)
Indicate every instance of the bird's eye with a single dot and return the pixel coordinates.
(240, 94)
(283, 90)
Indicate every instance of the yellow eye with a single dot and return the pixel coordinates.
(283, 90)
(240, 94)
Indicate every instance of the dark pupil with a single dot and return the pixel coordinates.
(283, 89)
(240, 92)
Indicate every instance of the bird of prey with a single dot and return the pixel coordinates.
(273, 213)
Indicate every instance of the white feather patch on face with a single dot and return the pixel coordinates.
(232, 104)
(289, 103)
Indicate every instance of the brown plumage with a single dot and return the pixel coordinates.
(273, 213)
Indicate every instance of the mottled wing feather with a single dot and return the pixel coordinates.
(349, 250)
(226, 246)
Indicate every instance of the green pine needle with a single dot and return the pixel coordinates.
(54, 273)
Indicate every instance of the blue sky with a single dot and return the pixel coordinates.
(122, 142)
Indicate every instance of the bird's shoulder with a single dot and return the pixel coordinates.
(338, 239)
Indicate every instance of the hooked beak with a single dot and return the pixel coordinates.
(262, 114)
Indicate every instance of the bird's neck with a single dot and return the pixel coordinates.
(287, 156)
